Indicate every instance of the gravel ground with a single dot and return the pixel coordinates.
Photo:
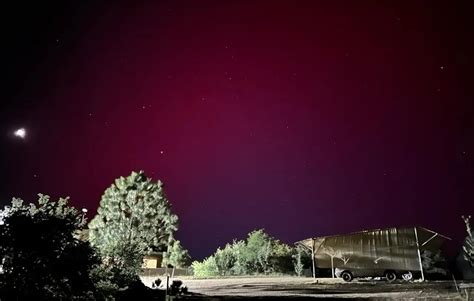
(296, 288)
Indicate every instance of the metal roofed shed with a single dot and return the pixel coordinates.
(390, 252)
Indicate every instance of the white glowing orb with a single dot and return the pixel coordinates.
(21, 133)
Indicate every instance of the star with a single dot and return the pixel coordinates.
(20, 133)
(162, 152)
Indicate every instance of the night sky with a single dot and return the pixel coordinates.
(304, 118)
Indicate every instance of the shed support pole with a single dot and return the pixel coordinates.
(419, 255)
(312, 259)
(332, 266)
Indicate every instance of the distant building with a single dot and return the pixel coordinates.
(391, 252)
(153, 260)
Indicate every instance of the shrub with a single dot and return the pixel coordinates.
(258, 254)
(206, 268)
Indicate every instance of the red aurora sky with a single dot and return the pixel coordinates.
(305, 118)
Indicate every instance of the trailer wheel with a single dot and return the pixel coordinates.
(347, 276)
(407, 276)
(390, 276)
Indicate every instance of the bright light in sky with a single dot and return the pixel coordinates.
(21, 133)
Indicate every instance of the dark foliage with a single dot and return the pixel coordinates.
(42, 258)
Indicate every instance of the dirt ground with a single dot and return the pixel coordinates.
(296, 288)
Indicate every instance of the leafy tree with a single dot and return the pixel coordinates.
(265, 254)
(42, 257)
(468, 247)
(225, 260)
(176, 256)
(134, 218)
(281, 257)
(258, 251)
(240, 266)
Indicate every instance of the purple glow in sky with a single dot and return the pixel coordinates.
(306, 119)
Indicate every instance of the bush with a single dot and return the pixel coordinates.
(112, 283)
(206, 268)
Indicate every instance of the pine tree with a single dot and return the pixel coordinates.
(134, 218)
